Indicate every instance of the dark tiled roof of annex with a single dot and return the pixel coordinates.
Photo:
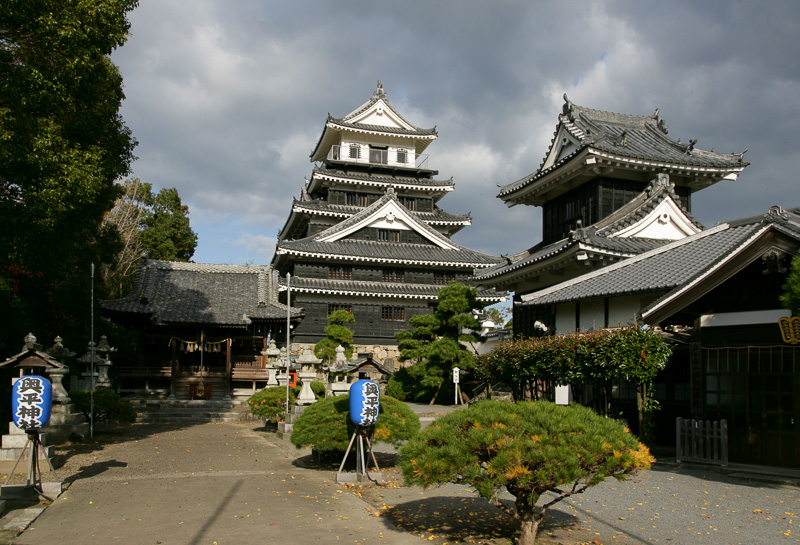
(198, 293)
(632, 137)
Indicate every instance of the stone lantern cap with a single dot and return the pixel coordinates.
(33, 357)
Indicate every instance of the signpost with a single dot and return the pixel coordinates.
(456, 373)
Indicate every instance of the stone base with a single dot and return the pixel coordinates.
(51, 489)
(13, 443)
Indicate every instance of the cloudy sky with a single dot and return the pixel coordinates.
(227, 99)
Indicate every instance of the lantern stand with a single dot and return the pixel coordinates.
(34, 472)
(362, 458)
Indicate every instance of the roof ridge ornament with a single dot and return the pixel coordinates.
(568, 106)
(662, 126)
(776, 214)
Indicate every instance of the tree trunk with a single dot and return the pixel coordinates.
(640, 395)
(433, 400)
(528, 530)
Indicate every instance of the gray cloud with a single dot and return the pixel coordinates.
(227, 99)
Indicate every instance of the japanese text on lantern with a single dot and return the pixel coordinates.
(371, 407)
(30, 403)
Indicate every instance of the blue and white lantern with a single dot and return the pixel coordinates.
(365, 403)
(31, 402)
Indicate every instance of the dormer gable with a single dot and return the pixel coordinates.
(667, 221)
(387, 213)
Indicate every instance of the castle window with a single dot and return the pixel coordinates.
(394, 314)
(440, 277)
(355, 151)
(388, 235)
(334, 307)
(379, 154)
(409, 202)
(340, 273)
(402, 156)
(357, 199)
(393, 275)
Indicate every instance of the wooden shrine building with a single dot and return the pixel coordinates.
(201, 328)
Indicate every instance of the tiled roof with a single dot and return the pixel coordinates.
(438, 216)
(358, 288)
(628, 137)
(197, 293)
(422, 136)
(383, 181)
(385, 252)
(584, 239)
(670, 267)
(379, 94)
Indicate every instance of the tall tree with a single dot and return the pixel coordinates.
(127, 217)
(336, 334)
(437, 342)
(63, 144)
(167, 234)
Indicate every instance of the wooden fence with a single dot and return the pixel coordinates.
(701, 441)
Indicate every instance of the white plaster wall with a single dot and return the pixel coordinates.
(565, 318)
(622, 311)
(593, 315)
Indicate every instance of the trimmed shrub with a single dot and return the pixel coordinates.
(528, 448)
(326, 425)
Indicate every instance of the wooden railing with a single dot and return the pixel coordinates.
(701, 441)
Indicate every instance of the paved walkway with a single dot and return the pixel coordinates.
(234, 484)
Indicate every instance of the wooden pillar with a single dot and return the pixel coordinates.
(228, 368)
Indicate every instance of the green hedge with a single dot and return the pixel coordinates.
(269, 402)
(108, 405)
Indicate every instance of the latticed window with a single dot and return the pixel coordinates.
(355, 151)
(394, 314)
(388, 235)
(402, 156)
(357, 199)
(394, 275)
(336, 272)
(409, 202)
(440, 277)
(333, 307)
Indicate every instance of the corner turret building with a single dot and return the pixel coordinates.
(367, 234)
(611, 186)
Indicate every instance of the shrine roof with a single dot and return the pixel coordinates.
(626, 139)
(675, 267)
(171, 292)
